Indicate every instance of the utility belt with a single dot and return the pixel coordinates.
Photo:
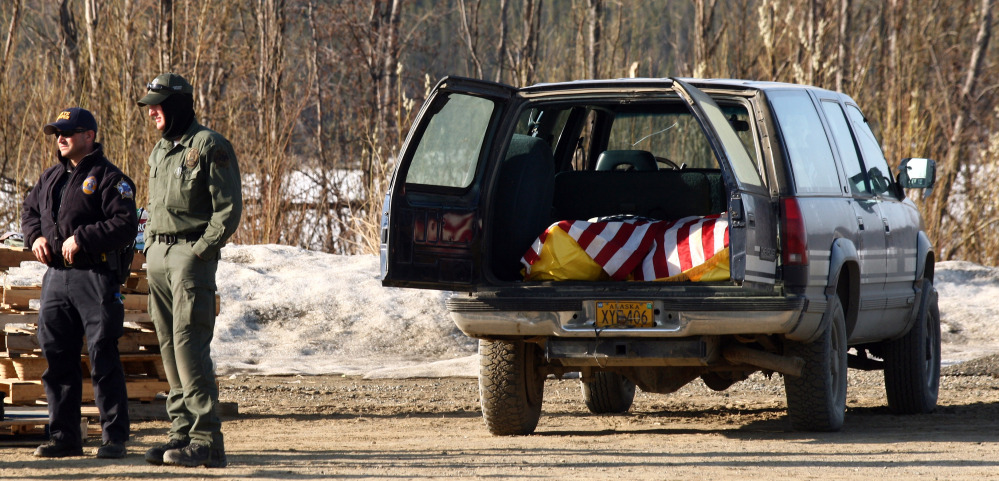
(109, 259)
(171, 239)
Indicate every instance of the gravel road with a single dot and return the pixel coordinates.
(347, 427)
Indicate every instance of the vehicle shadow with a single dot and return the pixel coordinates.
(967, 423)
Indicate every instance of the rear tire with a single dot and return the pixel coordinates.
(510, 388)
(912, 362)
(816, 400)
(608, 392)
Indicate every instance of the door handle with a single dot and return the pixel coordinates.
(860, 222)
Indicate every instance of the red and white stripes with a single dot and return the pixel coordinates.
(642, 249)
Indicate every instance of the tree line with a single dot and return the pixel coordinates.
(318, 95)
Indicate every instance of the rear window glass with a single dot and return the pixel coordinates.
(674, 136)
(450, 148)
(808, 148)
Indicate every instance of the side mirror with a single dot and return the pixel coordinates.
(917, 173)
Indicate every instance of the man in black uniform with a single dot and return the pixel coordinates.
(76, 219)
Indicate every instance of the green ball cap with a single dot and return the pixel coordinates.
(164, 86)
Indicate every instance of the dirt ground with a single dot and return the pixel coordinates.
(347, 427)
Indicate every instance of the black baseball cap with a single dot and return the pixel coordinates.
(163, 86)
(73, 119)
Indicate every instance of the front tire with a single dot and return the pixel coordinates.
(608, 392)
(912, 362)
(816, 400)
(510, 387)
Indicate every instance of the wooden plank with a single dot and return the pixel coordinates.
(19, 297)
(28, 392)
(138, 317)
(131, 341)
(28, 417)
(136, 302)
(136, 282)
(138, 262)
(18, 317)
(21, 343)
(23, 392)
(14, 256)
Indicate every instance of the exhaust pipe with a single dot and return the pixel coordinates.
(791, 366)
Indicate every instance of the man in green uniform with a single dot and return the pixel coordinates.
(195, 202)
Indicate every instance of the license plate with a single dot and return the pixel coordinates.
(624, 314)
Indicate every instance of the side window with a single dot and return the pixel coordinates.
(847, 148)
(877, 167)
(808, 148)
(451, 145)
(738, 117)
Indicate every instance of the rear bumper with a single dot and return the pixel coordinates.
(684, 317)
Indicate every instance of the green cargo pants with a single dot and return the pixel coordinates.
(182, 306)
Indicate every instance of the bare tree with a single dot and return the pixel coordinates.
(8, 44)
(525, 61)
(843, 41)
(68, 40)
(165, 37)
(594, 20)
(966, 103)
(501, 47)
(470, 29)
(705, 39)
(92, 12)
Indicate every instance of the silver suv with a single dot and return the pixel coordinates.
(649, 232)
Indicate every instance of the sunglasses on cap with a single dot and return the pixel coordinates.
(159, 87)
(69, 133)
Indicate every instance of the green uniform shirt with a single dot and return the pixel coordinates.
(195, 188)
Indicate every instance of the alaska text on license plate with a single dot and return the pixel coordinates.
(624, 314)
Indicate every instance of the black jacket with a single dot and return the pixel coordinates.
(98, 207)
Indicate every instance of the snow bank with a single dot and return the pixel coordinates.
(287, 310)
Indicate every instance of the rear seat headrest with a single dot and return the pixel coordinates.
(637, 159)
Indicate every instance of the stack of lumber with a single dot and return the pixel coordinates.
(21, 362)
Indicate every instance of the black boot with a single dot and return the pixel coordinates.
(111, 450)
(196, 454)
(53, 449)
(155, 454)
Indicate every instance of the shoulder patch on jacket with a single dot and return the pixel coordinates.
(220, 157)
(125, 189)
(89, 185)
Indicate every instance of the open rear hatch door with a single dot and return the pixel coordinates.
(752, 226)
(431, 227)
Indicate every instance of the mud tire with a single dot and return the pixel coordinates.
(511, 389)
(912, 362)
(816, 400)
(608, 392)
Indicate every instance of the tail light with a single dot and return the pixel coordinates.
(794, 242)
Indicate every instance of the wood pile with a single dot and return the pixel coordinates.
(21, 362)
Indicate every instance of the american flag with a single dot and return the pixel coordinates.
(641, 249)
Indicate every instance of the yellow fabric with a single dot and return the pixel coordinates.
(561, 259)
(714, 269)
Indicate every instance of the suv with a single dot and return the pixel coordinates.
(649, 232)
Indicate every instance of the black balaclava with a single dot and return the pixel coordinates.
(178, 109)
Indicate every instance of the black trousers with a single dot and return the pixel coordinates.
(74, 303)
